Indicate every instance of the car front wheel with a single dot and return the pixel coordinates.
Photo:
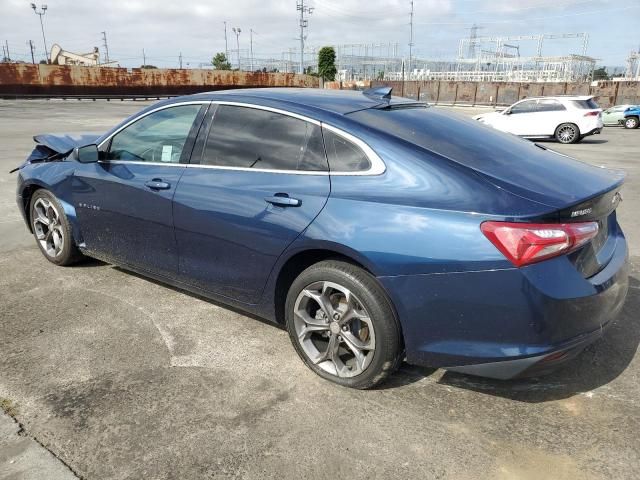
(631, 122)
(342, 324)
(567, 133)
(52, 230)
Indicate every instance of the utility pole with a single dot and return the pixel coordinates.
(410, 37)
(226, 46)
(43, 10)
(302, 8)
(144, 58)
(251, 48)
(180, 59)
(237, 31)
(106, 47)
(6, 42)
(31, 47)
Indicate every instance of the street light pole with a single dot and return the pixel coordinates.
(43, 10)
(226, 46)
(237, 31)
(251, 47)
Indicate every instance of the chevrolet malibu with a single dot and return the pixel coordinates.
(376, 229)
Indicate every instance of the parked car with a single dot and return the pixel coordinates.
(613, 116)
(568, 119)
(374, 228)
(632, 117)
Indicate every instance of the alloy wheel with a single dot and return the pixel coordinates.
(334, 329)
(47, 227)
(566, 134)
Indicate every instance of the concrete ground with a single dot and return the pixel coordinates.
(110, 375)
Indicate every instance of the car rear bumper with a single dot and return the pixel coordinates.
(594, 131)
(511, 322)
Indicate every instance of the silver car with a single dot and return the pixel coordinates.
(614, 115)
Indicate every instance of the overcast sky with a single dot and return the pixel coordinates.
(164, 28)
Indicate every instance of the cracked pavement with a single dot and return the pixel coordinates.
(121, 377)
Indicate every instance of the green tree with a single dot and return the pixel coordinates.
(600, 74)
(220, 62)
(148, 67)
(327, 63)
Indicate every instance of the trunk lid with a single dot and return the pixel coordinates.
(571, 191)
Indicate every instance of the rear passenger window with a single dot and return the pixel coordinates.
(343, 155)
(247, 137)
(550, 106)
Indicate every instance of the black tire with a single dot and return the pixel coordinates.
(631, 122)
(388, 352)
(567, 133)
(68, 254)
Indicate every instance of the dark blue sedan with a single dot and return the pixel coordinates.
(376, 229)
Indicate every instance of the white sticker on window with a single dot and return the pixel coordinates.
(166, 153)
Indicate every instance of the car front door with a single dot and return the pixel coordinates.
(124, 201)
(613, 115)
(520, 117)
(259, 179)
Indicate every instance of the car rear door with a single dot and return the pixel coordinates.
(258, 178)
(124, 201)
(549, 114)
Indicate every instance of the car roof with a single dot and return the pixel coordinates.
(331, 101)
(563, 97)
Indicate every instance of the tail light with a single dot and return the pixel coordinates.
(526, 243)
(595, 113)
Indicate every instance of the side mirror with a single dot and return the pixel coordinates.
(507, 112)
(86, 154)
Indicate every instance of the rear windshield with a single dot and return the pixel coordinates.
(500, 155)
(585, 104)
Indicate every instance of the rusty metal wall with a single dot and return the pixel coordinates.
(29, 79)
(502, 93)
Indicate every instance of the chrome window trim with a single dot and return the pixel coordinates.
(377, 167)
(268, 109)
(140, 117)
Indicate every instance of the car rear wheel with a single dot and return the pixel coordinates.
(52, 230)
(567, 133)
(631, 122)
(342, 324)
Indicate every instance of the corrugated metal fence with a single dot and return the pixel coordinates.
(502, 93)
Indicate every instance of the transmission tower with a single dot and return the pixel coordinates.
(473, 41)
(304, 23)
(106, 47)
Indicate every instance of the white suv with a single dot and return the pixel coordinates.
(568, 119)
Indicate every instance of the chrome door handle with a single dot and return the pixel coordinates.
(158, 184)
(283, 200)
